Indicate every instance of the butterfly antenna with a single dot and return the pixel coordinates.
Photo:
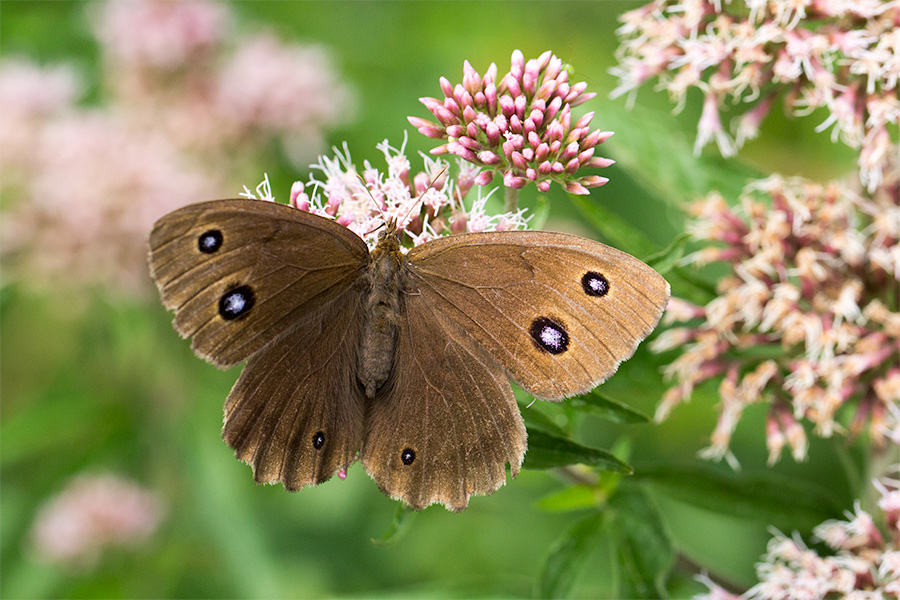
(375, 202)
(430, 186)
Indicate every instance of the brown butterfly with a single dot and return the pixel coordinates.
(399, 359)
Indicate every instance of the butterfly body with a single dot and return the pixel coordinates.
(385, 275)
(399, 360)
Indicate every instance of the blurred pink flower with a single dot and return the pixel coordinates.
(519, 126)
(29, 95)
(272, 89)
(82, 187)
(161, 34)
(99, 187)
(94, 513)
(806, 321)
(833, 54)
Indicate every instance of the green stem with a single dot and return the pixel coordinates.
(511, 200)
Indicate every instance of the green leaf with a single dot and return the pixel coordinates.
(786, 503)
(650, 145)
(669, 258)
(615, 230)
(576, 497)
(536, 419)
(644, 549)
(599, 404)
(547, 451)
(403, 516)
(567, 557)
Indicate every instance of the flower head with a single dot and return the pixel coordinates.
(860, 560)
(838, 55)
(519, 126)
(807, 318)
(92, 514)
(424, 204)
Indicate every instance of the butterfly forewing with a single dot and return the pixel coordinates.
(557, 311)
(238, 273)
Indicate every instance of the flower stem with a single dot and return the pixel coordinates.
(511, 200)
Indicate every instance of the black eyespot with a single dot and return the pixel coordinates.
(210, 241)
(236, 303)
(595, 284)
(318, 440)
(407, 456)
(549, 335)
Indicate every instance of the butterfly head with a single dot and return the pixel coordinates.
(389, 238)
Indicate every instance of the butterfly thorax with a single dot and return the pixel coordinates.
(385, 274)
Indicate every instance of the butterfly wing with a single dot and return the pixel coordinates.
(239, 273)
(445, 426)
(296, 413)
(559, 312)
(282, 287)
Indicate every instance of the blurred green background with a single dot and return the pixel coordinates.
(113, 388)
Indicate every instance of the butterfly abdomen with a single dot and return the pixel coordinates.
(383, 313)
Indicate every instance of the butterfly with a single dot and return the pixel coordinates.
(400, 360)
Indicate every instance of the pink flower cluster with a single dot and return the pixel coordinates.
(92, 514)
(807, 320)
(182, 91)
(519, 126)
(863, 562)
(424, 204)
(832, 54)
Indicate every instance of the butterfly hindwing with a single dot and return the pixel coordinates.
(296, 412)
(559, 312)
(446, 425)
(238, 273)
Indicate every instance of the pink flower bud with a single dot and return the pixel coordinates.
(518, 160)
(521, 102)
(487, 157)
(585, 156)
(546, 90)
(517, 63)
(493, 134)
(585, 120)
(456, 131)
(490, 97)
(452, 106)
(593, 181)
(469, 114)
(507, 105)
(553, 108)
(484, 178)
(570, 151)
(543, 186)
(471, 78)
(514, 181)
(573, 187)
(469, 143)
(512, 86)
(599, 162)
(446, 87)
